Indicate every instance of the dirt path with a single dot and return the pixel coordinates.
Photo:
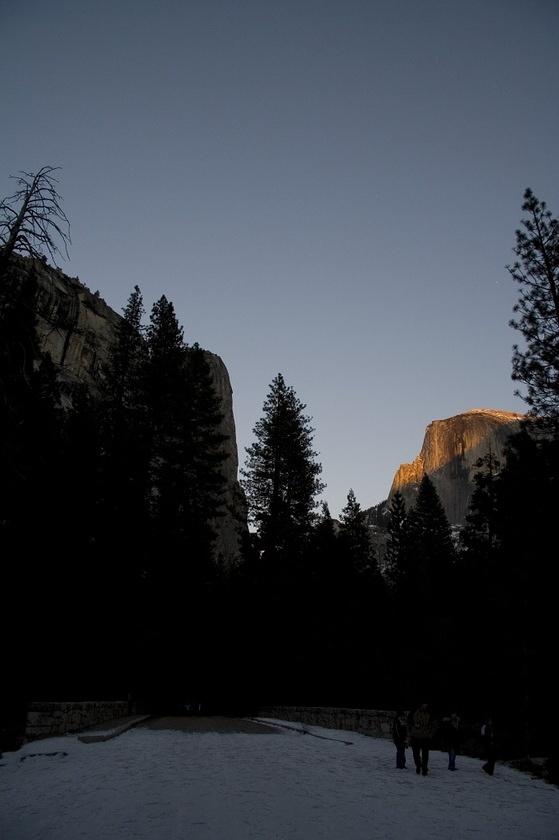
(213, 723)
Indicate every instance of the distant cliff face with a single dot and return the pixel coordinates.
(449, 453)
(77, 328)
(230, 527)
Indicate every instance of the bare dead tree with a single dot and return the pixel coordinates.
(32, 221)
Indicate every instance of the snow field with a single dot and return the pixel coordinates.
(167, 785)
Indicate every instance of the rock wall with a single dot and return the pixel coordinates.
(46, 719)
(366, 721)
(378, 724)
(77, 328)
(230, 527)
(449, 454)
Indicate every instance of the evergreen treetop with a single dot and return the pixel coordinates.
(354, 536)
(127, 356)
(537, 273)
(281, 476)
(430, 549)
(397, 544)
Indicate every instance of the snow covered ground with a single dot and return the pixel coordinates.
(167, 785)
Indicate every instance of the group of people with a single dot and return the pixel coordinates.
(417, 729)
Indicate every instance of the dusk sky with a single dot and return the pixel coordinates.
(326, 189)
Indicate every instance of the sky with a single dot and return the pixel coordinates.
(321, 785)
(325, 188)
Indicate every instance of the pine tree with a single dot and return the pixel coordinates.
(30, 497)
(183, 434)
(122, 385)
(508, 572)
(29, 406)
(481, 533)
(397, 549)
(80, 497)
(324, 541)
(124, 407)
(187, 446)
(19, 344)
(204, 466)
(165, 385)
(430, 542)
(537, 273)
(354, 537)
(527, 485)
(165, 369)
(281, 473)
(322, 566)
(123, 457)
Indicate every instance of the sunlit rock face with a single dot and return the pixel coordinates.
(77, 328)
(449, 454)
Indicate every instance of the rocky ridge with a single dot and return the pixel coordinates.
(77, 328)
(450, 450)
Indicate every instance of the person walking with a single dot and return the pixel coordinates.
(450, 731)
(400, 738)
(488, 740)
(422, 728)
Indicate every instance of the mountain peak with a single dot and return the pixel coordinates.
(495, 412)
(450, 451)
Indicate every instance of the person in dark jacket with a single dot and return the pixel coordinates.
(450, 731)
(400, 738)
(422, 728)
(488, 739)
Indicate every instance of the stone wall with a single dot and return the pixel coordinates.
(366, 721)
(378, 724)
(45, 719)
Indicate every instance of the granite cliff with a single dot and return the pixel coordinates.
(77, 328)
(449, 454)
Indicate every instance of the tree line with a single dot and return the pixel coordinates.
(108, 506)
(467, 623)
(108, 513)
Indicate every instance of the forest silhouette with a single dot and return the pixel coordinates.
(110, 503)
